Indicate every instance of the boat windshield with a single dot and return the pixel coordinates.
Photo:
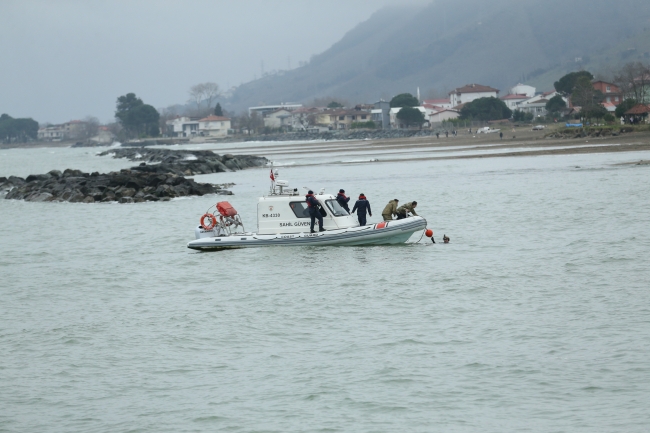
(336, 208)
(300, 209)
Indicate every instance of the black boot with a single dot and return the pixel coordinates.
(312, 231)
(321, 229)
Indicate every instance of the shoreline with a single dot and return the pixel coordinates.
(523, 143)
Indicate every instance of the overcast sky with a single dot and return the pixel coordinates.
(67, 59)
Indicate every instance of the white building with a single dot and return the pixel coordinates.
(513, 101)
(470, 92)
(278, 118)
(523, 89)
(442, 115)
(537, 104)
(182, 126)
(263, 110)
(52, 133)
(214, 126)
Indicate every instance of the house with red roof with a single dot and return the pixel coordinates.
(638, 114)
(613, 94)
(470, 92)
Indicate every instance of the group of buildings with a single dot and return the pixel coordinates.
(72, 130)
(435, 111)
(295, 117)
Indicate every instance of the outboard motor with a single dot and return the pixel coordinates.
(200, 232)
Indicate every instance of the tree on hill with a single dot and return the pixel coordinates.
(334, 104)
(137, 118)
(410, 116)
(555, 104)
(624, 106)
(566, 84)
(217, 110)
(404, 100)
(17, 130)
(486, 109)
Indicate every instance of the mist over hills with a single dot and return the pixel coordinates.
(451, 43)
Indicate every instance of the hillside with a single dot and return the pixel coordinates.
(450, 43)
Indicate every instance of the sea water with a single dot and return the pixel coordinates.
(534, 318)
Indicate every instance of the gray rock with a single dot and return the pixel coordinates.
(40, 196)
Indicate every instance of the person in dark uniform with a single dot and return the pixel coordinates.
(314, 211)
(362, 205)
(343, 200)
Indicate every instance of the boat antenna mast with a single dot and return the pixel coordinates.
(274, 175)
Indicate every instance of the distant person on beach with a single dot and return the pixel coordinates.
(314, 211)
(445, 239)
(403, 210)
(501, 135)
(343, 200)
(390, 210)
(437, 135)
(447, 134)
(361, 206)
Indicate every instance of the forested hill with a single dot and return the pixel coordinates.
(450, 43)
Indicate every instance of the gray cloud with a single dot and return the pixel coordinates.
(67, 59)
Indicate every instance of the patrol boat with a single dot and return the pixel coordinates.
(283, 220)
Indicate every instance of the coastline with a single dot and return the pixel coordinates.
(522, 142)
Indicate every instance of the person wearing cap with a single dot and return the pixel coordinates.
(314, 211)
(362, 205)
(445, 239)
(390, 210)
(343, 200)
(405, 208)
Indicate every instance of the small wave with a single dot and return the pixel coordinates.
(353, 161)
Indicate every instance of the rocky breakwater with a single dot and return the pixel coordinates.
(185, 163)
(125, 186)
(159, 177)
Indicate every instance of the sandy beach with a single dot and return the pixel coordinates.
(518, 143)
(521, 142)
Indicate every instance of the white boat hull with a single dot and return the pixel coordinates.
(384, 233)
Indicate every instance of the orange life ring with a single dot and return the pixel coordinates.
(213, 221)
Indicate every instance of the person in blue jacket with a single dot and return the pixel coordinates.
(343, 200)
(314, 211)
(362, 205)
